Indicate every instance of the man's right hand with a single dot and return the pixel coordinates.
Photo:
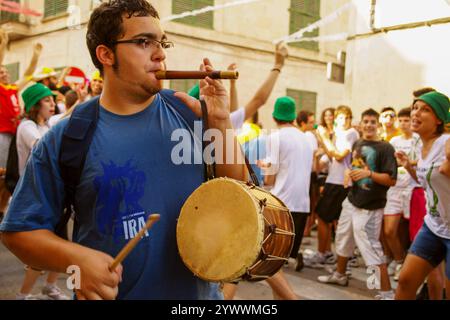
(281, 53)
(97, 281)
(37, 49)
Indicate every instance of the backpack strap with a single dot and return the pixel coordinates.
(12, 166)
(75, 143)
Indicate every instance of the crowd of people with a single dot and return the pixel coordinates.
(46, 99)
(372, 201)
(375, 186)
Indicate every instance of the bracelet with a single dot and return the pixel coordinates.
(276, 69)
(370, 174)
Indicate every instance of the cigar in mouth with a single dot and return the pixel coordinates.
(167, 75)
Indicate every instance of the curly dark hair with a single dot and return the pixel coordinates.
(106, 23)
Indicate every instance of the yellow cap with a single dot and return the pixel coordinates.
(249, 132)
(96, 76)
(45, 73)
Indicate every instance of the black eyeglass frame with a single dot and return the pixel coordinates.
(140, 41)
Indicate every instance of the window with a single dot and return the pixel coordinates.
(13, 70)
(182, 85)
(9, 16)
(205, 20)
(305, 100)
(303, 13)
(55, 7)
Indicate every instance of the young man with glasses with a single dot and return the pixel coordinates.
(129, 173)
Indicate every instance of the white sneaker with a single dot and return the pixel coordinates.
(330, 257)
(392, 267)
(54, 293)
(385, 295)
(398, 269)
(334, 279)
(333, 268)
(21, 296)
(316, 261)
(353, 262)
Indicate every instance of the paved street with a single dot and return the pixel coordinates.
(307, 287)
(304, 282)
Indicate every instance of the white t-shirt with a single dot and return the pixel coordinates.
(55, 119)
(437, 188)
(28, 133)
(412, 148)
(291, 157)
(345, 139)
(312, 140)
(238, 118)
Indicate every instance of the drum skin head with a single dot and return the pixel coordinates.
(220, 230)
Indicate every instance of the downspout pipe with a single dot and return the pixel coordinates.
(372, 14)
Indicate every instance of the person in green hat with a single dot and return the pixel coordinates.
(39, 107)
(430, 114)
(288, 167)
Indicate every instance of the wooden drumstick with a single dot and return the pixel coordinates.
(164, 75)
(133, 242)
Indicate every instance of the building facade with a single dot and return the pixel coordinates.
(242, 34)
(381, 68)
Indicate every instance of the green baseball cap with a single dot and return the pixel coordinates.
(439, 103)
(284, 109)
(195, 92)
(34, 94)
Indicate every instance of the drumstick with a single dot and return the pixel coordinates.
(163, 75)
(133, 242)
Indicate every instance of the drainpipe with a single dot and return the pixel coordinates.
(372, 14)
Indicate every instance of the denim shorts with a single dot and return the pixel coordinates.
(432, 248)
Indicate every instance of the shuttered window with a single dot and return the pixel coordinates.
(303, 13)
(13, 70)
(9, 16)
(55, 7)
(304, 100)
(205, 20)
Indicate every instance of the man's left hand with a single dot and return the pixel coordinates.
(215, 96)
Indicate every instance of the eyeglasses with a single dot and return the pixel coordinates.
(146, 43)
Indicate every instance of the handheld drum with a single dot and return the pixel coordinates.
(229, 230)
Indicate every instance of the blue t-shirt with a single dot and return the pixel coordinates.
(128, 175)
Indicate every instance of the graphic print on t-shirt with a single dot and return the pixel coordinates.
(120, 189)
(432, 203)
(364, 158)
